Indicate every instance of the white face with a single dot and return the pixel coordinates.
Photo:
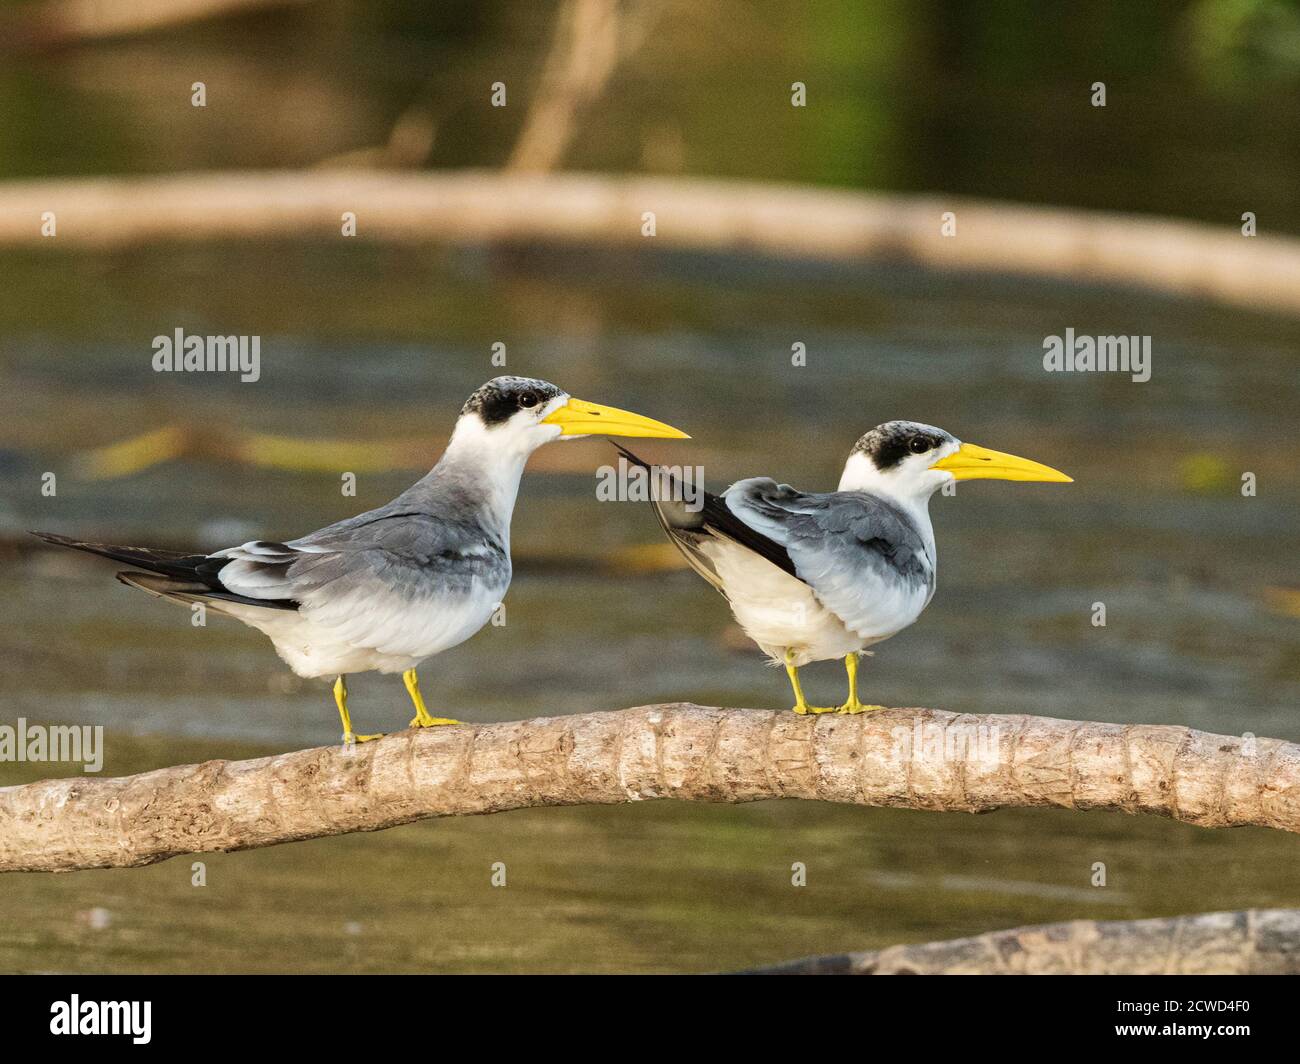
(911, 478)
(520, 434)
(915, 475)
(513, 416)
(526, 430)
(910, 462)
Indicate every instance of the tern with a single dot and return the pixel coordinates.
(812, 576)
(387, 589)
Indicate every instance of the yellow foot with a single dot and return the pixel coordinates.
(854, 706)
(802, 709)
(422, 719)
(349, 738)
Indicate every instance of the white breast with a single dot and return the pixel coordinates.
(778, 611)
(381, 630)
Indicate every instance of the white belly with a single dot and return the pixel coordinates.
(380, 632)
(778, 611)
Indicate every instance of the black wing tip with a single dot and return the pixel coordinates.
(179, 591)
(51, 537)
(630, 456)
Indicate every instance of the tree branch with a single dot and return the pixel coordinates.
(581, 59)
(913, 758)
(61, 22)
(1253, 942)
(475, 207)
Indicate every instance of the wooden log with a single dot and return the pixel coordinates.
(737, 217)
(1253, 942)
(913, 758)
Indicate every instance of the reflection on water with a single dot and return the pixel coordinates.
(377, 345)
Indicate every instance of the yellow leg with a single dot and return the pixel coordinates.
(800, 703)
(421, 718)
(853, 705)
(341, 700)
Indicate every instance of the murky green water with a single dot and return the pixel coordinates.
(648, 887)
(367, 344)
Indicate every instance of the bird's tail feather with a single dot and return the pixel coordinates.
(630, 456)
(170, 574)
(683, 527)
(166, 562)
(165, 587)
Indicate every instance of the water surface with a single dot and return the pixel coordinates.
(370, 345)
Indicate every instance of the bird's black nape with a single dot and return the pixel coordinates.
(502, 397)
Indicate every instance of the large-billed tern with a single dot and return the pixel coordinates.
(391, 587)
(813, 576)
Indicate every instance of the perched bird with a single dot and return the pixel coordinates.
(817, 575)
(388, 588)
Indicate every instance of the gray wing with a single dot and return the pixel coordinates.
(691, 529)
(358, 575)
(862, 556)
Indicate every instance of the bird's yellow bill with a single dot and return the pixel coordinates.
(972, 462)
(578, 417)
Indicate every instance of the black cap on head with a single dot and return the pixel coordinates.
(888, 444)
(502, 397)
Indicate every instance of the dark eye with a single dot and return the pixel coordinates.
(918, 445)
(527, 400)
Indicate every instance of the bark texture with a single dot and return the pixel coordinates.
(912, 758)
(1254, 942)
(1197, 261)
